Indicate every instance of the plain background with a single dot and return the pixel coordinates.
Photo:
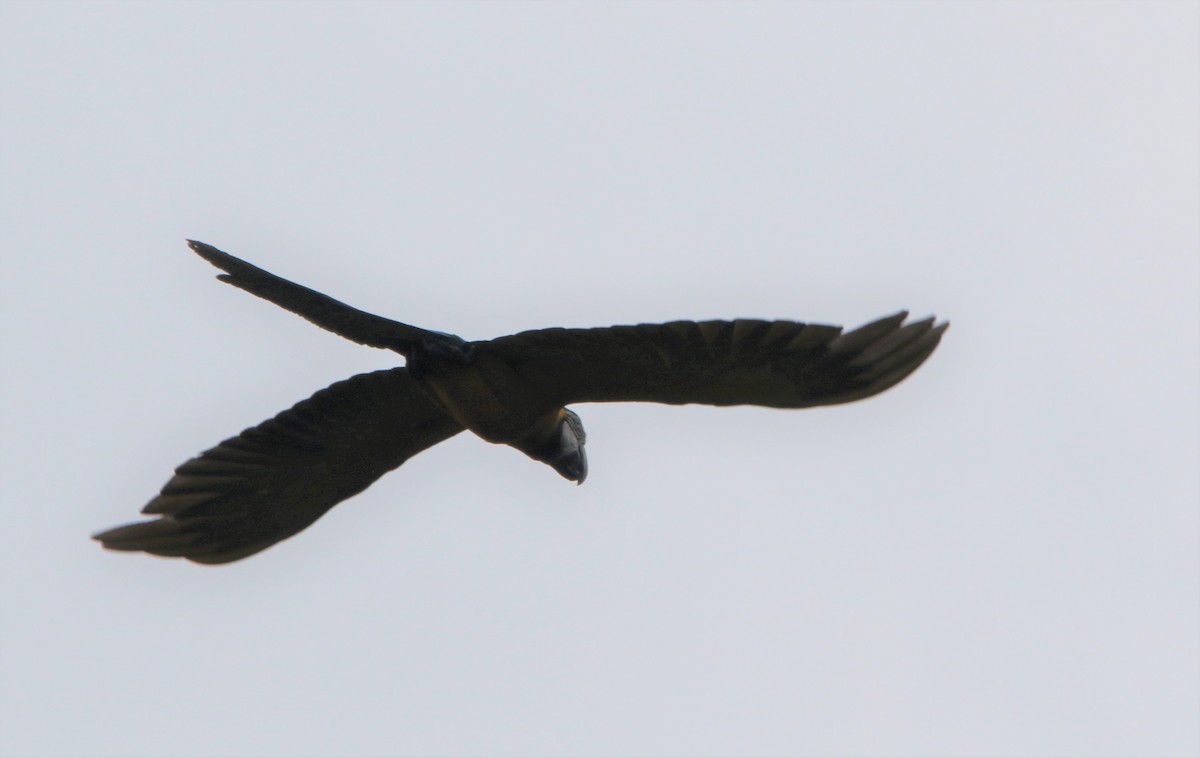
(997, 557)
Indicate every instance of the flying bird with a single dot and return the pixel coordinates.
(275, 479)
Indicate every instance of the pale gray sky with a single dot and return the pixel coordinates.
(1001, 556)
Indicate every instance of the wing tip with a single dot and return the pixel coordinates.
(203, 249)
(885, 352)
(167, 537)
(132, 537)
(231, 264)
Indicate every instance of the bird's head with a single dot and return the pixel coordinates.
(564, 450)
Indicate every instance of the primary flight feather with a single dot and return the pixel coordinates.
(277, 478)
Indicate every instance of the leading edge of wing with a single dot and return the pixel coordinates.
(275, 479)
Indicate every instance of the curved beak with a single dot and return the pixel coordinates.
(562, 450)
(571, 460)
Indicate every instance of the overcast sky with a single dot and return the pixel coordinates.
(1000, 556)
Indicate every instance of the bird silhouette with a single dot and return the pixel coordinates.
(275, 479)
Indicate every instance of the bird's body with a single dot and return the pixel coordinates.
(486, 395)
(273, 480)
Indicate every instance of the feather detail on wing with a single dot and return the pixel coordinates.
(782, 364)
(275, 479)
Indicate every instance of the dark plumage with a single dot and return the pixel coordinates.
(275, 479)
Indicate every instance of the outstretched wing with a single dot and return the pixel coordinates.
(782, 364)
(275, 479)
(322, 310)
